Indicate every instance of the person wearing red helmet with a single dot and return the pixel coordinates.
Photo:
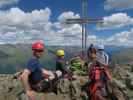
(38, 48)
(35, 78)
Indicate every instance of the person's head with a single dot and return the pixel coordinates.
(91, 48)
(60, 53)
(100, 47)
(91, 52)
(38, 49)
(91, 45)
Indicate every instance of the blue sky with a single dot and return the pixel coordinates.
(117, 26)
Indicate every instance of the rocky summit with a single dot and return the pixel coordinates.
(123, 77)
(11, 87)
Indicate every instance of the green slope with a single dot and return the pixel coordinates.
(123, 57)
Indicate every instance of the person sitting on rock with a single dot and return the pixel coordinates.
(35, 78)
(77, 65)
(99, 74)
(61, 63)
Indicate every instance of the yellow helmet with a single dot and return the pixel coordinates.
(60, 53)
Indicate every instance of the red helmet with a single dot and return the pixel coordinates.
(38, 46)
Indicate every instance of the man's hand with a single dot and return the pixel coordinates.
(31, 94)
(48, 74)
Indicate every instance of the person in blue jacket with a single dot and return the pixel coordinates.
(35, 78)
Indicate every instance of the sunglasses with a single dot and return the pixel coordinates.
(39, 51)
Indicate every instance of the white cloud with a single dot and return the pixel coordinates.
(15, 17)
(71, 33)
(92, 39)
(115, 21)
(124, 39)
(18, 26)
(8, 2)
(67, 15)
(118, 4)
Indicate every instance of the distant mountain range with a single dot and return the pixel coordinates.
(13, 58)
(124, 56)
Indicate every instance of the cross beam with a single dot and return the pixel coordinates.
(83, 20)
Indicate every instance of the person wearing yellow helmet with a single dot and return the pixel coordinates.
(60, 61)
(60, 53)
